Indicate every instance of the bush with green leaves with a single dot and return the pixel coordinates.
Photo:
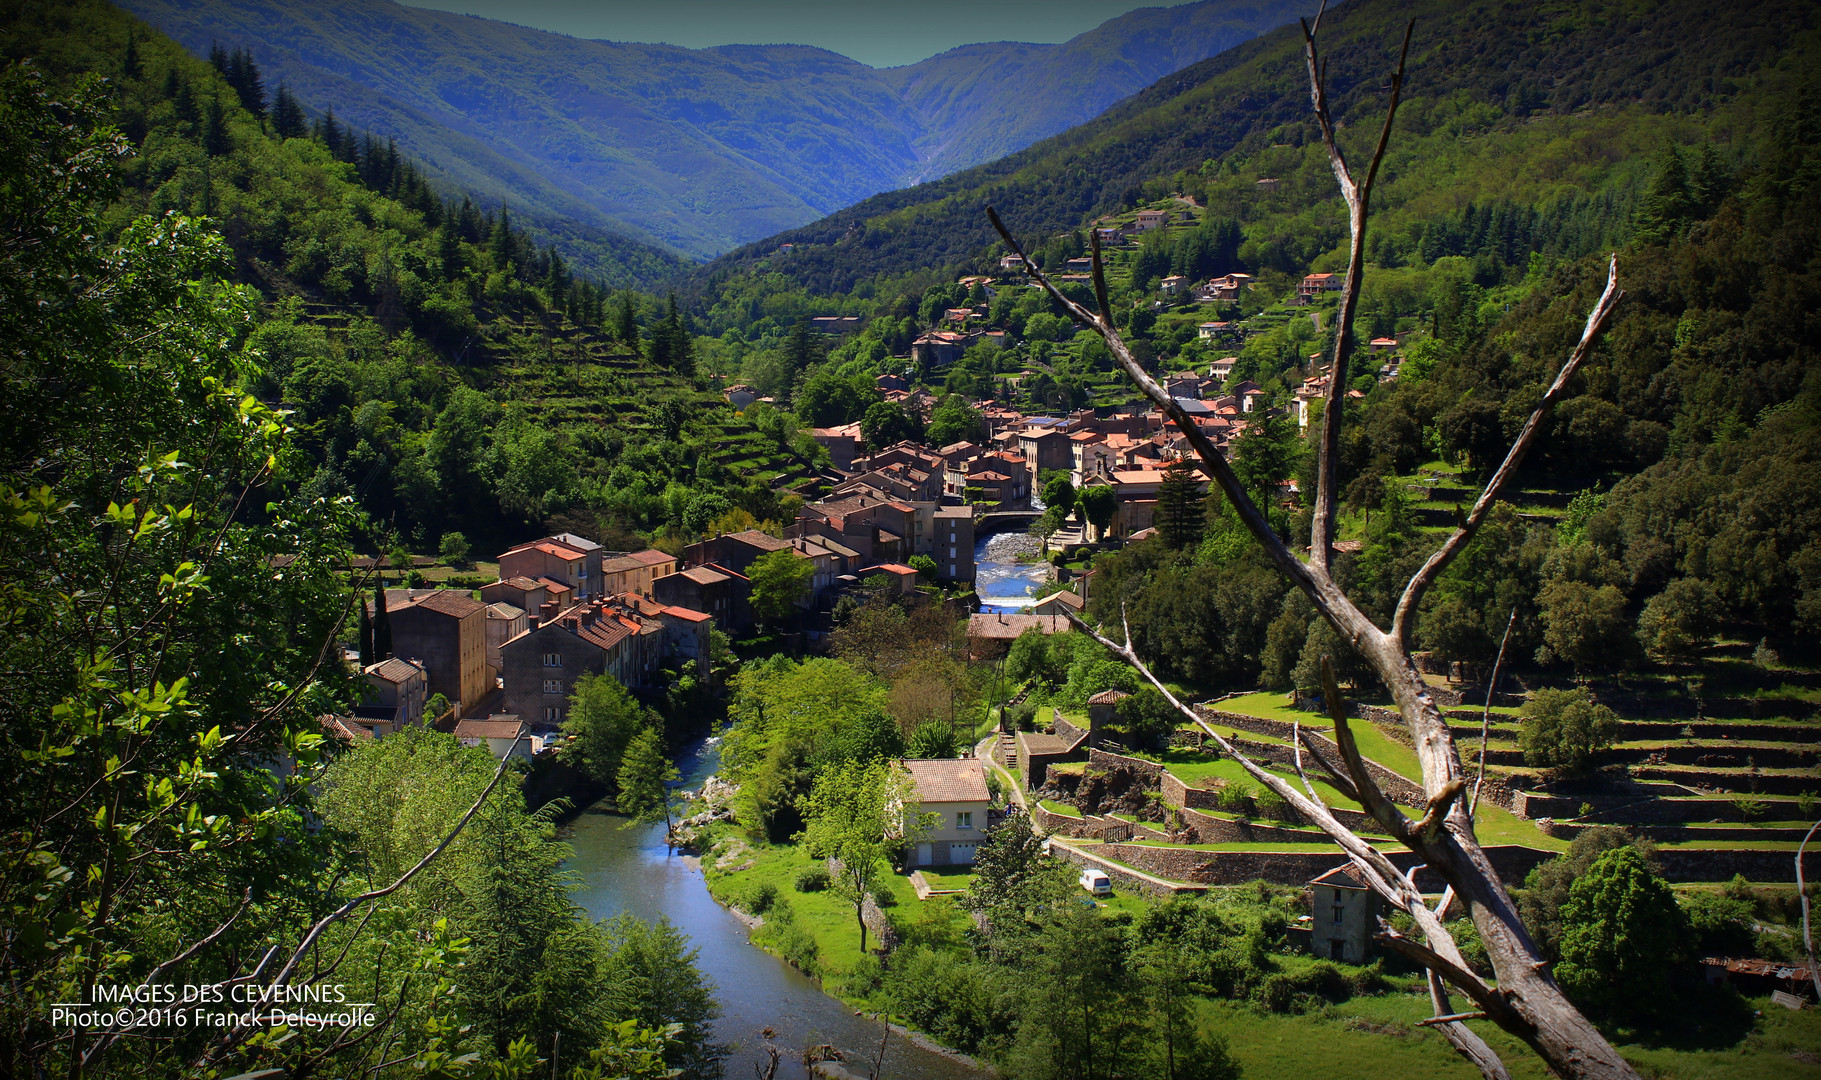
(1561, 730)
(1622, 938)
(812, 879)
(762, 897)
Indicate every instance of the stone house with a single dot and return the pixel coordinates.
(635, 572)
(953, 534)
(1343, 913)
(445, 630)
(715, 590)
(733, 551)
(539, 668)
(554, 559)
(500, 734)
(504, 622)
(953, 789)
(396, 692)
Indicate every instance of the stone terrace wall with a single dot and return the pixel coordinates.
(1122, 877)
(1218, 830)
(1106, 760)
(1631, 810)
(1663, 834)
(1714, 864)
(1297, 867)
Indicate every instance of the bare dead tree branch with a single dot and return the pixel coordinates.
(1492, 685)
(1597, 321)
(1528, 1003)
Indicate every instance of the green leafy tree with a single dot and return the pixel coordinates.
(1562, 730)
(924, 566)
(1015, 880)
(1585, 624)
(603, 720)
(859, 814)
(1546, 887)
(663, 989)
(644, 779)
(780, 580)
(886, 423)
(1098, 503)
(1059, 494)
(1622, 938)
(1677, 622)
(453, 549)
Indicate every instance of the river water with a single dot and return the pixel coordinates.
(623, 867)
(1002, 583)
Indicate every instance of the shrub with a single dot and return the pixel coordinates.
(1300, 991)
(1561, 730)
(812, 879)
(883, 895)
(1235, 799)
(1274, 807)
(795, 944)
(762, 898)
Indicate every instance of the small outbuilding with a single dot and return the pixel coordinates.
(1343, 913)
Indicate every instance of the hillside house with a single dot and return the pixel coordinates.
(635, 572)
(990, 634)
(1059, 603)
(1343, 913)
(558, 560)
(397, 690)
(501, 733)
(1316, 284)
(953, 536)
(843, 443)
(1173, 285)
(1146, 220)
(955, 791)
(539, 667)
(722, 594)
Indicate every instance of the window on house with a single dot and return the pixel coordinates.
(1339, 911)
(964, 819)
(553, 686)
(553, 659)
(553, 714)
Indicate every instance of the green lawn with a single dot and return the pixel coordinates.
(1378, 1036)
(824, 915)
(1059, 808)
(950, 879)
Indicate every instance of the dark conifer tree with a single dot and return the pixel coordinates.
(287, 115)
(626, 323)
(499, 245)
(129, 61)
(366, 639)
(1179, 509)
(382, 622)
(329, 131)
(215, 139)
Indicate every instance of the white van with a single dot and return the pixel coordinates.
(1096, 882)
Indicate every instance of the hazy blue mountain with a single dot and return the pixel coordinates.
(695, 149)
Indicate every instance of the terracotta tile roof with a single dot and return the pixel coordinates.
(395, 669)
(451, 602)
(1108, 697)
(1341, 877)
(1031, 743)
(949, 780)
(504, 611)
(652, 557)
(702, 575)
(997, 627)
(503, 727)
(755, 538)
(688, 614)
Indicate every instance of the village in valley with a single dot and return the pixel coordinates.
(1140, 808)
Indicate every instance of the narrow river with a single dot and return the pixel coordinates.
(626, 868)
(1002, 582)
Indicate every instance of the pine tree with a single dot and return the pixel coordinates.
(287, 115)
(243, 76)
(499, 245)
(328, 131)
(626, 324)
(215, 139)
(1179, 506)
(130, 66)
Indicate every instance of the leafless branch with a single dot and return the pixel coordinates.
(156, 976)
(1420, 582)
(1358, 194)
(1336, 777)
(1492, 686)
(1808, 939)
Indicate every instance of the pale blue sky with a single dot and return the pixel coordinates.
(882, 35)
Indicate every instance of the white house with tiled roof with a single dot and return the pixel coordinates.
(955, 791)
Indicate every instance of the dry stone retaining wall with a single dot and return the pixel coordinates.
(1297, 867)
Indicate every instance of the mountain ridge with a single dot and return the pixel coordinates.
(694, 150)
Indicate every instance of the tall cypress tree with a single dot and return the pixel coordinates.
(382, 622)
(366, 639)
(626, 324)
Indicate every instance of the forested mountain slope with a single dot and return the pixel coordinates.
(696, 150)
(1509, 101)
